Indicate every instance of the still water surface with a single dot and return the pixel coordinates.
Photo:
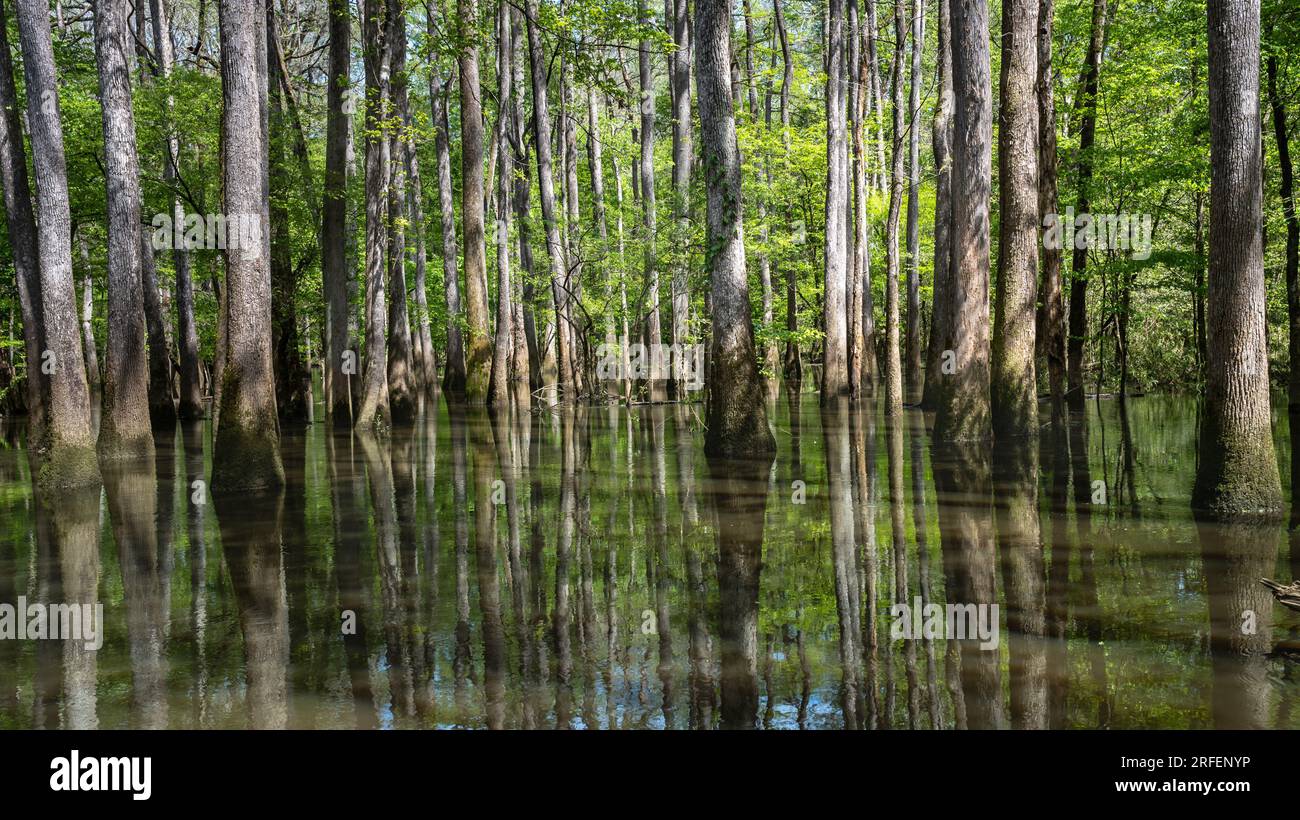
(592, 568)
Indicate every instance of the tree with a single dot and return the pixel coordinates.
(962, 410)
(374, 409)
(835, 354)
(913, 337)
(1237, 471)
(340, 363)
(246, 450)
(503, 348)
(402, 377)
(1050, 331)
(893, 355)
(478, 353)
(125, 432)
(737, 417)
(69, 448)
(941, 140)
(1013, 382)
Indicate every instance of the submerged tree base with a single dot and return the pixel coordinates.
(246, 458)
(66, 466)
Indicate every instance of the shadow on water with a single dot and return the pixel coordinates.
(589, 567)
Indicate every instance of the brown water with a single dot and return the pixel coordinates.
(592, 568)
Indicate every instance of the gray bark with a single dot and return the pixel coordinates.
(402, 384)
(478, 350)
(374, 409)
(339, 383)
(246, 452)
(1237, 473)
(835, 358)
(737, 416)
(69, 456)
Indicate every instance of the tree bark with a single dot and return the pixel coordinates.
(453, 380)
(1014, 385)
(1286, 188)
(478, 349)
(402, 385)
(246, 452)
(1237, 472)
(913, 339)
(737, 415)
(503, 349)
(1050, 335)
(546, 192)
(69, 447)
(340, 362)
(941, 303)
(653, 333)
(962, 411)
(893, 353)
(1086, 111)
(23, 242)
(125, 431)
(682, 156)
(374, 410)
(835, 358)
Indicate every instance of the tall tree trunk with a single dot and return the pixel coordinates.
(1237, 473)
(425, 369)
(340, 362)
(962, 411)
(69, 447)
(546, 191)
(402, 382)
(374, 409)
(453, 379)
(89, 348)
(835, 358)
(191, 391)
(23, 243)
(246, 452)
(893, 353)
(1286, 188)
(1050, 336)
(503, 349)
(682, 157)
(478, 349)
(737, 415)
(913, 345)
(573, 222)
(941, 304)
(1086, 112)
(792, 366)
(125, 431)
(1014, 385)
(860, 254)
(527, 370)
(291, 376)
(653, 335)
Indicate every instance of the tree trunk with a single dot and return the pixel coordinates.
(962, 411)
(546, 191)
(246, 452)
(89, 348)
(941, 304)
(653, 334)
(23, 243)
(340, 362)
(682, 156)
(1050, 335)
(913, 343)
(737, 415)
(1237, 472)
(893, 353)
(1086, 111)
(291, 400)
(1014, 385)
(402, 384)
(478, 351)
(374, 409)
(1286, 188)
(503, 349)
(453, 379)
(425, 368)
(835, 354)
(792, 366)
(69, 447)
(125, 431)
